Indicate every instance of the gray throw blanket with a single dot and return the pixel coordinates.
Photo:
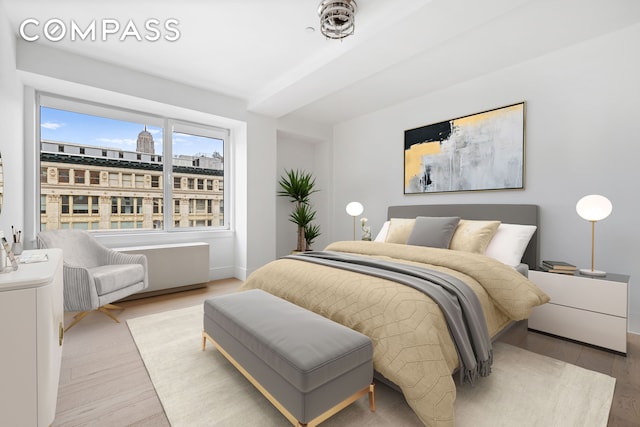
(458, 302)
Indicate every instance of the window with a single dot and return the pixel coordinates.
(78, 176)
(198, 160)
(157, 206)
(126, 205)
(63, 176)
(80, 205)
(128, 154)
(64, 204)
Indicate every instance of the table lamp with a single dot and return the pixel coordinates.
(354, 209)
(593, 208)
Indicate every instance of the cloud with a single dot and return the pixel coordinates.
(52, 125)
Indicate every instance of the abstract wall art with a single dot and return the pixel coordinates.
(483, 151)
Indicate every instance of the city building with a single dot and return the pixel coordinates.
(95, 188)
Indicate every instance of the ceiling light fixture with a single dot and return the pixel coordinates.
(337, 18)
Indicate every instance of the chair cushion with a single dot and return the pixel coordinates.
(110, 278)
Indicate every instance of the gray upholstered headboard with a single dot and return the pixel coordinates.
(509, 214)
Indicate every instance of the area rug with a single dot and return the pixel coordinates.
(201, 388)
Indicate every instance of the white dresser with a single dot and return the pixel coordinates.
(583, 308)
(31, 314)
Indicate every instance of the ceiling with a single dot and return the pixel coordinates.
(262, 51)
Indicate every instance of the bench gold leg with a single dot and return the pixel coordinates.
(340, 406)
(372, 397)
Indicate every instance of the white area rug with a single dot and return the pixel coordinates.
(200, 388)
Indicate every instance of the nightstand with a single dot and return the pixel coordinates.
(589, 309)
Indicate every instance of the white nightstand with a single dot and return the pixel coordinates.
(583, 308)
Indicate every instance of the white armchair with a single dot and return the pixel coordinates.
(94, 276)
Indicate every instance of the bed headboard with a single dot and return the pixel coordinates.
(509, 214)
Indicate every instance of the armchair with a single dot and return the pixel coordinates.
(94, 276)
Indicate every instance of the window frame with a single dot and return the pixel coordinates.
(185, 127)
(169, 126)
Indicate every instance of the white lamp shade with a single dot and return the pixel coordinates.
(594, 207)
(355, 208)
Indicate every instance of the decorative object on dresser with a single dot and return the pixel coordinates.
(482, 151)
(593, 208)
(95, 276)
(354, 209)
(31, 311)
(592, 310)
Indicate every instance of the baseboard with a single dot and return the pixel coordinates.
(163, 292)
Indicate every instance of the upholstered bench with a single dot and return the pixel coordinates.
(309, 367)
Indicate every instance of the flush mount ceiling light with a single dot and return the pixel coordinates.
(337, 18)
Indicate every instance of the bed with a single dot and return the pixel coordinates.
(413, 344)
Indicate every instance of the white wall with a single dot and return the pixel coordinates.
(304, 145)
(10, 143)
(250, 244)
(299, 153)
(582, 115)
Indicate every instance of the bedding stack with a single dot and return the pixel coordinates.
(504, 242)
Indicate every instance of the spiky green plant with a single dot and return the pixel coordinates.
(298, 186)
(311, 231)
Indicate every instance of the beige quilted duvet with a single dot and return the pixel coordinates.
(412, 346)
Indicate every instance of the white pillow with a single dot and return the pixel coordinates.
(509, 243)
(382, 234)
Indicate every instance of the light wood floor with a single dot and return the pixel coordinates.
(104, 382)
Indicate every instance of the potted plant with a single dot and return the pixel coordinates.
(311, 231)
(298, 186)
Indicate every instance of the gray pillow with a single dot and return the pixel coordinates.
(435, 232)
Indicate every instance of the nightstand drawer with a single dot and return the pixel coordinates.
(587, 293)
(580, 325)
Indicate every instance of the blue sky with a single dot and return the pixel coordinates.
(84, 129)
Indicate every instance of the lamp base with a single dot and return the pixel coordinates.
(589, 272)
